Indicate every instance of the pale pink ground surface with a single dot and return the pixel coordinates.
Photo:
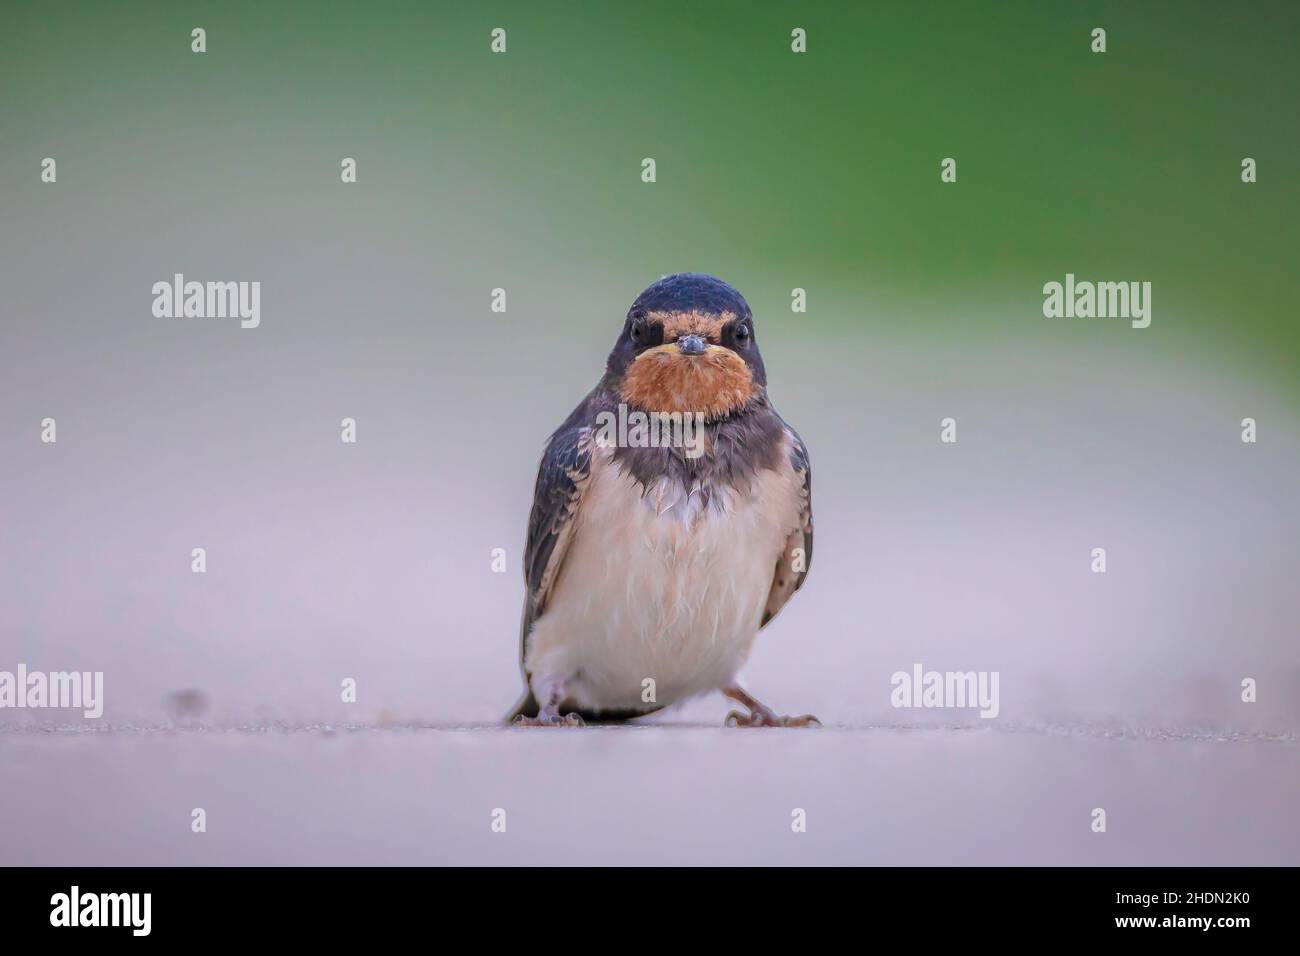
(680, 793)
(328, 561)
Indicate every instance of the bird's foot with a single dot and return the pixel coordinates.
(760, 715)
(765, 718)
(551, 720)
(548, 714)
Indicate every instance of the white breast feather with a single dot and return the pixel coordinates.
(660, 586)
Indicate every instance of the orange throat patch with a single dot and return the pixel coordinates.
(663, 379)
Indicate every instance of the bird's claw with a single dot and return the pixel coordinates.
(554, 720)
(760, 718)
(806, 720)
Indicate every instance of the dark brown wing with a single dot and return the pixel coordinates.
(561, 479)
(793, 564)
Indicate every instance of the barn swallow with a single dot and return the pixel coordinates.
(650, 567)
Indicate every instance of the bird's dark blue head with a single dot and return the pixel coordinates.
(688, 345)
(691, 292)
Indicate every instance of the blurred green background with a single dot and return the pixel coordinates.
(775, 170)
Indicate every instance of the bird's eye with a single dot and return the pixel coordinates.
(742, 333)
(638, 333)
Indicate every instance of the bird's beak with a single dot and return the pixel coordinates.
(692, 345)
